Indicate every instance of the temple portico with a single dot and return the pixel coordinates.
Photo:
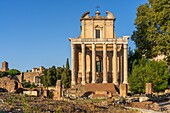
(97, 55)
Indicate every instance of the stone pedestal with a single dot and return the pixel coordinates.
(123, 90)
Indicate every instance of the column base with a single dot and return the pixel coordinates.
(105, 82)
(125, 82)
(93, 82)
(73, 83)
(83, 82)
(115, 83)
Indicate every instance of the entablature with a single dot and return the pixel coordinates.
(123, 40)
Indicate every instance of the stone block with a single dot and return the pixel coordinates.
(143, 99)
(101, 92)
(31, 93)
(167, 91)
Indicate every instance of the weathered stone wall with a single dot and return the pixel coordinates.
(19, 77)
(30, 76)
(106, 27)
(4, 66)
(8, 84)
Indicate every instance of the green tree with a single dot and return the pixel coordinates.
(59, 72)
(152, 34)
(133, 56)
(2, 74)
(46, 79)
(67, 64)
(52, 74)
(66, 75)
(148, 71)
(13, 72)
(26, 84)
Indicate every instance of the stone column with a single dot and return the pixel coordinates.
(93, 63)
(83, 82)
(125, 64)
(148, 90)
(115, 64)
(104, 63)
(73, 73)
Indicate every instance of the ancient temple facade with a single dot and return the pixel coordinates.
(97, 56)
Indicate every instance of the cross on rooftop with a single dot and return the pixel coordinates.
(97, 7)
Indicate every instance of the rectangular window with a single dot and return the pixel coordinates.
(97, 33)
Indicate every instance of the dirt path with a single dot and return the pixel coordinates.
(165, 104)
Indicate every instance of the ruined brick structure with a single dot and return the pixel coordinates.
(4, 66)
(33, 76)
(8, 84)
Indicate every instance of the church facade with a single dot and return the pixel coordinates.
(97, 56)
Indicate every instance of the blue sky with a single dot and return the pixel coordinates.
(36, 32)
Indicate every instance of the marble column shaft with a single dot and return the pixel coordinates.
(105, 63)
(73, 74)
(115, 64)
(93, 63)
(125, 57)
(83, 64)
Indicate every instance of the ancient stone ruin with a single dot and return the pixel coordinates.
(148, 89)
(8, 84)
(58, 91)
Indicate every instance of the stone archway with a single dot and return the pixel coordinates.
(16, 85)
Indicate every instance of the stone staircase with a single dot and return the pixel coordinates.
(77, 91)
(101, 89)
(94, 90)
